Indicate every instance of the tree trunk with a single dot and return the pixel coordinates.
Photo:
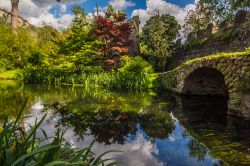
(14, 13)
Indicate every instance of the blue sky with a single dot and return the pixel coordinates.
(59, 15)
(90, 5)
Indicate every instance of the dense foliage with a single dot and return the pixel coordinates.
(212, 11)
(136, 74)
(114, 32)
(157, 38)
(89, 53)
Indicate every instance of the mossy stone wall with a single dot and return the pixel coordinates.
(235, 70)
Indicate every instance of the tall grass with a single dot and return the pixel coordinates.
(136, 74)
(21, 148)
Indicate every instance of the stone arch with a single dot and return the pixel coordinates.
(205, 81)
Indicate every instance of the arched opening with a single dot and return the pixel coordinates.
(205, 81)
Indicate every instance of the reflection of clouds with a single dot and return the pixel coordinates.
(136, 152)
(37, 106)
(139, 152)
(171, 138)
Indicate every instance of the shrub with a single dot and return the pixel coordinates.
(135, 74)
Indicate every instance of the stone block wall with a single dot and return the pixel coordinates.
(203, 43)
(234, 69)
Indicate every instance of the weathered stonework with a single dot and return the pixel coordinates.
(223, 25)
(240, 17)
(134, 48)
(221, 76)
(228, 39)
(209, 29)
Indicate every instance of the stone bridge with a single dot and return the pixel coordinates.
(220, 75)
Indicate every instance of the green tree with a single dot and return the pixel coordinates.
(236, 4)
(208, 11)
(158, 35)
(80, 42)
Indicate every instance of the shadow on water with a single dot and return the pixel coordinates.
(206, 119)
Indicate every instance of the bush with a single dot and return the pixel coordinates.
(135, 74)
(47, 75)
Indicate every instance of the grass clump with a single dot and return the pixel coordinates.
(21, 148)
(134, 74)
(11, 74)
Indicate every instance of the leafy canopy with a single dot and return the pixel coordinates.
(158, 35)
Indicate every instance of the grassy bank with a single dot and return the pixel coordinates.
(135, 74)
(11, 75)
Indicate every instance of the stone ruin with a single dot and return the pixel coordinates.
(201, 34)
(241, 17)
(136, 21)
(191, 35)
(178, 42)
(6, 16)
(134, 48)
(223, 25)
(209, 29)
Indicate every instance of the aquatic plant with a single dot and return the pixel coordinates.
(18, 147)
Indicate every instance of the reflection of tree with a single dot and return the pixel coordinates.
(197, 150)
(157, 124)
(111, 126)
(108, 115)
(11, 98)
(108, 126)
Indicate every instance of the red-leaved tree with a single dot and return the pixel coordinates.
(114, 31)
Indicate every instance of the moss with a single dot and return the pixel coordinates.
(170, 81)
(243, 85)
(216, 56)
(196, 42)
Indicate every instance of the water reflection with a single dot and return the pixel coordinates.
(141, 125)
(206, 119)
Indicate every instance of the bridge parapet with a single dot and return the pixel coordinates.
(230, 37)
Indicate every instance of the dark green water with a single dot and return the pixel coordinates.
(150, 129)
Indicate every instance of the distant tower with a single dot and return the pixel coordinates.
(134, 48)
(136, 21)
(97, 9)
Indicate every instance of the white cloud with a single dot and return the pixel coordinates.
(121, 4)
(37, 11)
(46, 3)
(163, 7)
(63, 8)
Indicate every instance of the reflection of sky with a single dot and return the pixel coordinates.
(138, 150)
